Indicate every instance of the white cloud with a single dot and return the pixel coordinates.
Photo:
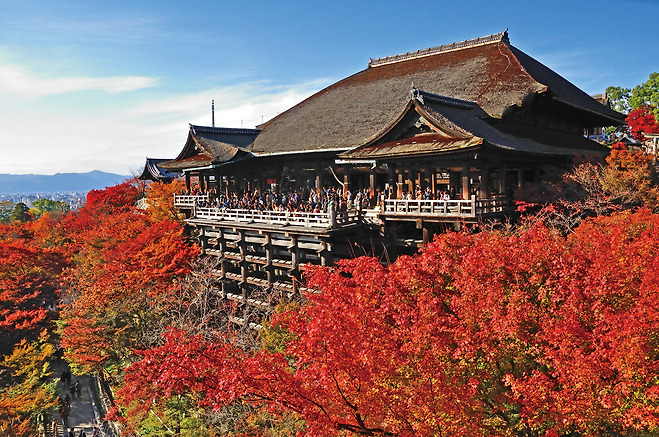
(242, 105)
(15, 80)
(119, 142)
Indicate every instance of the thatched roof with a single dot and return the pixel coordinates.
(488, 71)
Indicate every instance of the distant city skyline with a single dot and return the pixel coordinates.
(101, 86)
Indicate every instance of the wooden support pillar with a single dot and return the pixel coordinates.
(485, 182)
(371, 181)
(346, 181)
(466, 185)
(223, 263)
(268, 260)
(399, 184)
(187, 181)
(453, 182)
(324, 254)
(430, 174)
(391, 181)
(520, 177)
(297, 174)
(243, 263)
(203, 240)
(427, 233)
(295, 260)
(503, 179)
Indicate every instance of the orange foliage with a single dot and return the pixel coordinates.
(123, 259)
(529, 333)
(160, 197)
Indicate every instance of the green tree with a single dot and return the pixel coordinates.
(6, 207)
(42, 206)
(20, 213)
(646, 94)
(619, 98)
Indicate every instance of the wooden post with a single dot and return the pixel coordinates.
(268, 259)
(431, 178)
(466, 186)
(223, 263)
(503, 180)
(295, 259)
(324, 253)
(427, 233)
(243, 264)
(485, 182)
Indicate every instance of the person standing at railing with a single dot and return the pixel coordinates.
(445, 198)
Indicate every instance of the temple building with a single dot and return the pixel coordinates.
(153, 172)
(432, 138)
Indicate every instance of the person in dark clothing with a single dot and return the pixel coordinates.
(77, 388)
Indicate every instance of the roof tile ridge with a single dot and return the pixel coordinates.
(495, 37)
(422, 95)
(223, 130)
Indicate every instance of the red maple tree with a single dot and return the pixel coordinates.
(490, 334)
(122, 259)
(642, 120)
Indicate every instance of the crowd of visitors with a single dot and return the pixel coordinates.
(312, 200)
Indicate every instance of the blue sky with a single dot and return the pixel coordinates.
(89, 85)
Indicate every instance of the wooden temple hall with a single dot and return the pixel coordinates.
(405, 148)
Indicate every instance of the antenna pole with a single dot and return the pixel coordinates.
(213, 112)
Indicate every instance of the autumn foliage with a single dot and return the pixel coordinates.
(123, 258)
(524, 333)
(642, 120)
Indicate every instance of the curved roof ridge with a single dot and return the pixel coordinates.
(422, 96)
(223, 130)
(495, 37)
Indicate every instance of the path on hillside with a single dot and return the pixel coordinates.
(83, 413)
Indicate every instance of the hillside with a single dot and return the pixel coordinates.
(60, 182)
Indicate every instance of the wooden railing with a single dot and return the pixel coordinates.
(445, 208)
(281, 218)
(190, 200)
(402, 208)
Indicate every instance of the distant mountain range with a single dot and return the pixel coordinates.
(57, 183)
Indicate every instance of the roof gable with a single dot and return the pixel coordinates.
(435, 124)
(153, 172)
(207, 145)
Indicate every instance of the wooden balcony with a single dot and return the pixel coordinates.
(394, 209)
(444, 209)
(189, 201)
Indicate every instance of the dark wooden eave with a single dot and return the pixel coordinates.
(211, 146)
(154, 172)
